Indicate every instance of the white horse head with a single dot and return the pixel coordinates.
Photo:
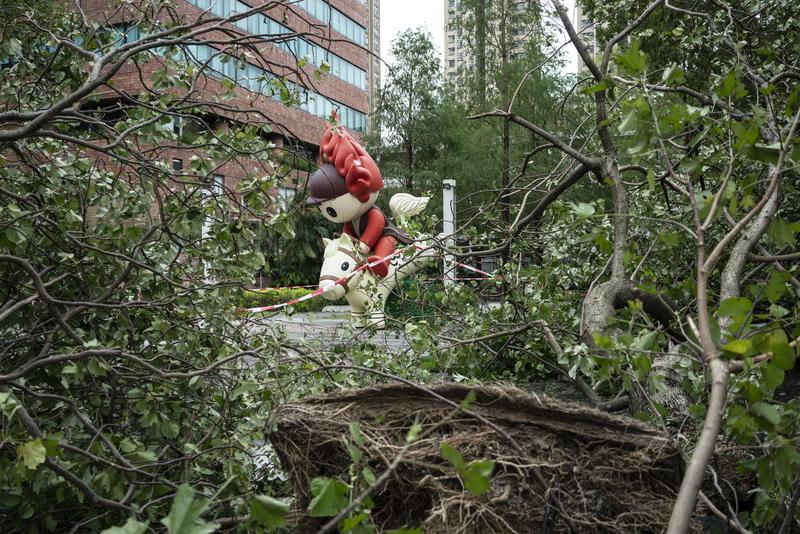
(342, 257)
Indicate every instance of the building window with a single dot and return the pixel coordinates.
(337, 20)
(258, 80)
(451, 50)
(451, 38)
(258, 24)
(285, 197)
(451, 63)
(177, 164)
(125, 33)
(215, 184)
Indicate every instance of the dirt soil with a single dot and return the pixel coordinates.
(559, 466)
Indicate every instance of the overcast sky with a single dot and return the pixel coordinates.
(400, 15)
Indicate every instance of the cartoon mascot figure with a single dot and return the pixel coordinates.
(345, 188)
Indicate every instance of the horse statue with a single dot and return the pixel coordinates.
(365, 292)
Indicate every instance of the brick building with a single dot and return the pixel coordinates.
(335, 35)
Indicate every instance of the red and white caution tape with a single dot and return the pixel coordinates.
(343, 279)
(461, 265)
(322, 290)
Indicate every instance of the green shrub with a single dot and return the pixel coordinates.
(268, 297)
(413, 299)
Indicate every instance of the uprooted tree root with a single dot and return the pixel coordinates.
(598, 472)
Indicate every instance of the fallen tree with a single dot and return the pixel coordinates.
(557, 466)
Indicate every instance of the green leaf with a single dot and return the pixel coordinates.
(782, 232)
(604, 84)
(467, 403)
(735, 307)
(452, 455)
(765, 153)
(282, 226)
(773, 376)
(673, 75)
(691, 166)
(670, 239)
(368, 476)
(474, 474)
(131, 526)
(330, 496)
(776, 286)
(477, 476)
(184, 517)
(746, 134)
(245, 387)
(646, 341)
(127, 445)
(8, 404)
(783, 356)
(739, 346)
(732, 85)
(628, 122)
(50, 447)
(32, 453)
(582, 209)
(268, 511)
(784, 460)
(767, 411)
(355, 433)
(406, 531)
(413, 432)
(778, 311)
(632, 60)
(351, 524)
(170, 429)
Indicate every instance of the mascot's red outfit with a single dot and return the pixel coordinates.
(345, 188)
(373, 230)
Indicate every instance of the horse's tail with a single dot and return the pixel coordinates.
(403, 205)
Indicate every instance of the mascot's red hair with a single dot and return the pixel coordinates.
(361, 175)
(345, 188)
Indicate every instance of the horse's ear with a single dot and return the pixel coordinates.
(347, 238)
(326, 241)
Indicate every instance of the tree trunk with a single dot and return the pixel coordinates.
(480, 54)
(505, 201)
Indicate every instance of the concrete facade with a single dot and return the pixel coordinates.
(456, 51)
(459, 57)
(586, 29)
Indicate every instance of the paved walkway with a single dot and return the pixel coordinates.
(324, 330)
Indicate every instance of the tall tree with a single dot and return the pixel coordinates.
(498, 32)
(410, 96)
